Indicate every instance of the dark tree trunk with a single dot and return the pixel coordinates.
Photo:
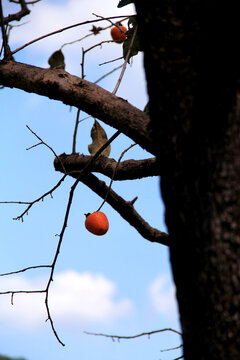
(198, 138)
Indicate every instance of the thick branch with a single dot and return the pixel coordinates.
(19, 15)
(125, 209)
(94, 100)
(126, 170)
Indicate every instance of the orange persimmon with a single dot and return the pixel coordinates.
(97, 223)
(117, 35)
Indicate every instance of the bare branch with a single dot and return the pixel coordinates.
(173, 348)
(125, 209)
(15, 202)
(25, 269)
(7, 51)
(113, 175)
(20, 14)
(67, 28)
(126, 60)
(20, 217)
(22, 292)
(109, 73)
(133, 336)
(126, 170)
(75, 132)
(59, 85)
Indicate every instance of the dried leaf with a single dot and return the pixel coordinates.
(99, 138)
(146, 109)
(136, 47)
(96, 30)
(124, 3)
(56, 60)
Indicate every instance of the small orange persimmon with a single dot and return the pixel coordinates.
(97, 223)
(117, 35)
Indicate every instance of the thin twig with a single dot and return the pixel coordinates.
(173, 348)
(56, 256)
(16, 202)
(75, 132)
(107, 62)
(25, 269)
(7, 52)
(41, 141)
(64, 29)
(110, 185)
(20, 217)
(84, 37)
(133, 336)
(126, 61)
(109, 73)
(20, 14)
(22, 292)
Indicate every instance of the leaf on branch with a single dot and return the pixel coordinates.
(96, 30)
(56, 60)
(136, 47)
(99, 137)
(146, 109)
(124, 3)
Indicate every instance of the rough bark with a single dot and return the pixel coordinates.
(89, 97)
(125, 170)
(198, 151)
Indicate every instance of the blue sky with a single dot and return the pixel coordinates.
(115, 284)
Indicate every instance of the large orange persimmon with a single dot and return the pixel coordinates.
(97, 223)
(117, 35)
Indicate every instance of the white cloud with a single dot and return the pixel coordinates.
(74, 299)
(162, 296)
(86, 297)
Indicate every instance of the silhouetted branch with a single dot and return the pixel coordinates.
(67, 28)
(25, 269)
(20, 14)
(59, 85)
(20, 217)
(118, 337)
(125, 209)
(126, 170)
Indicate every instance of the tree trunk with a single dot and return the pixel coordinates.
(198, 142)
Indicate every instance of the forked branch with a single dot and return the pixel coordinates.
(126, 170)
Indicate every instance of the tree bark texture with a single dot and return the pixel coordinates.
(124, 170)
(89, 97)
(196, 126)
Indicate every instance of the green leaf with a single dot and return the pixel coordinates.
(124, 3)
(132, 23)
(56, 60)
(99, 137)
